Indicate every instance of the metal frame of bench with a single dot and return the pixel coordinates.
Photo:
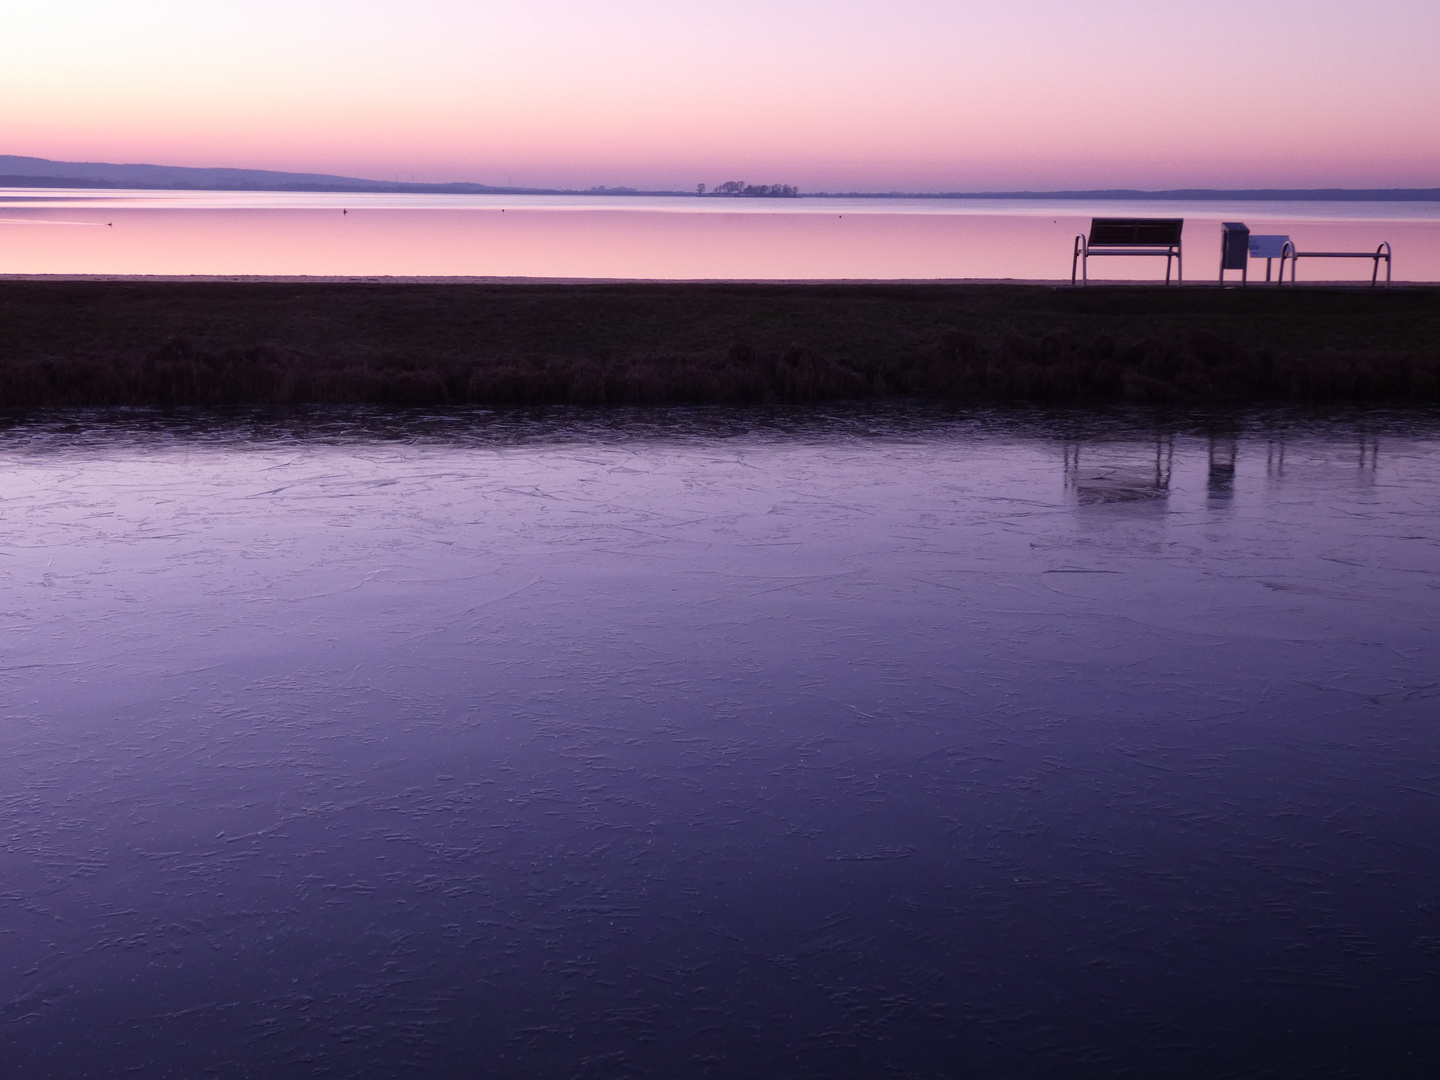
(1134, 244)
(1381, 252)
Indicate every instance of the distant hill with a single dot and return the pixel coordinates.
(40, 172)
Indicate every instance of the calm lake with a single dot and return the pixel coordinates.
(880, 741)
(53, 231)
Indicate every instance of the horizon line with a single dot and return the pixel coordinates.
(199, 178)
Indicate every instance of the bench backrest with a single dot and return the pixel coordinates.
(1135, 232)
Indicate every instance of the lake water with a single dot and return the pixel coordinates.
(869, 742)
(50, 231)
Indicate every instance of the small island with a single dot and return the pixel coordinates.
(739, 188)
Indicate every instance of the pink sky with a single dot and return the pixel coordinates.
(837, 95)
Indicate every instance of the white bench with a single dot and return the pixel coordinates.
(1382, 252)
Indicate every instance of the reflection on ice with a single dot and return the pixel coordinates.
(1124, 472)
(1133, 468)
(1221, 482)
(1355, 456)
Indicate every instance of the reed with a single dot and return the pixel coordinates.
(194, 343)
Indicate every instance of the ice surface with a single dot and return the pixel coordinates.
(719, 743)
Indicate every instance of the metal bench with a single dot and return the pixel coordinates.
(1128, 236)
(1381, 252)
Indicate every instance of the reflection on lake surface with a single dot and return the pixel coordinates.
(46, 231)
(1120, 471)
(710, 743)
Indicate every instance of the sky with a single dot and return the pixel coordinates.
(839, 95)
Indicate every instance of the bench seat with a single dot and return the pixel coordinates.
(1381, 252)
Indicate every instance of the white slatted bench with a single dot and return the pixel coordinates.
(1128, 236)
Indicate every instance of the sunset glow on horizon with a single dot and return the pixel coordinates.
(916, 95)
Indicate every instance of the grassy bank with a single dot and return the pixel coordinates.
(88, 343)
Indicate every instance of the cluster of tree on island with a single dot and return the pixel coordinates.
(754, 191)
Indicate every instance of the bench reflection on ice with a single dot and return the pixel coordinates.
(1124, 472)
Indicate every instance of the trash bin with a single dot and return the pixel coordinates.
(1234, 249)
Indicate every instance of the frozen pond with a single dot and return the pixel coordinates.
(700, 743)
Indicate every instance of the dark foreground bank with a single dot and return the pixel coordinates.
(96, 343)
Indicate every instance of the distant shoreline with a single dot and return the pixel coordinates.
(1096, 195)
(1177, 195)
(89, 343)
(31, 172)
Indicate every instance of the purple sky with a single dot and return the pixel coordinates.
(908, 94)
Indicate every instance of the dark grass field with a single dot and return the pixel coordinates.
(221, 343)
